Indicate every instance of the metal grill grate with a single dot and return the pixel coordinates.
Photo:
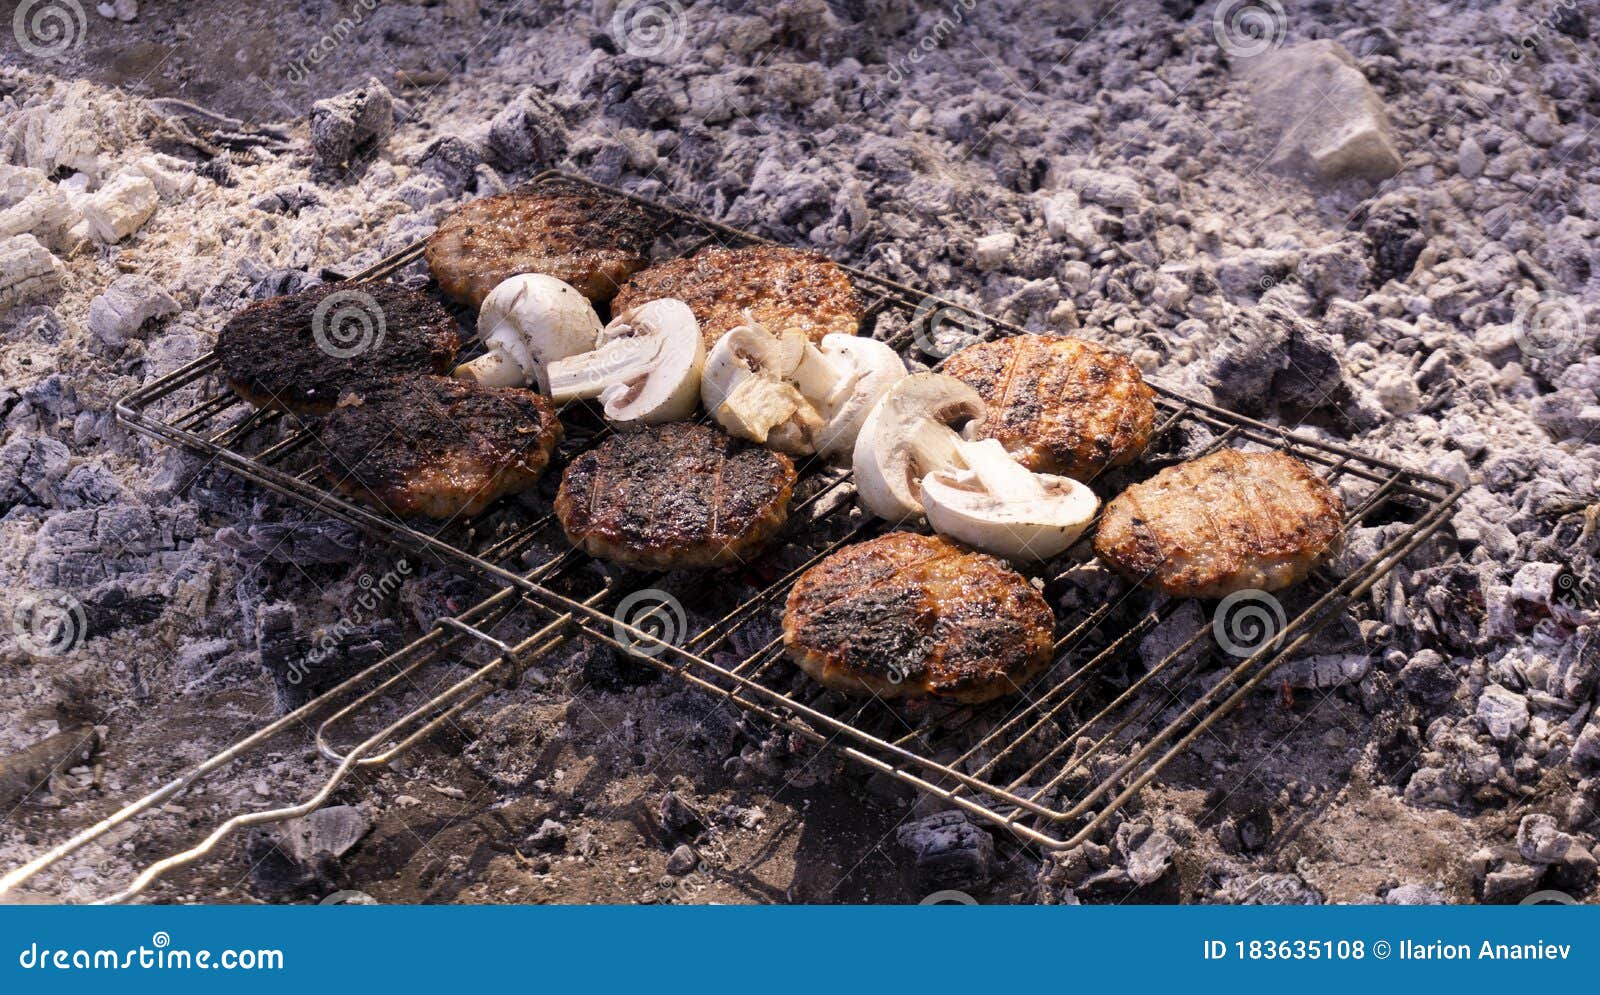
(1050, 764)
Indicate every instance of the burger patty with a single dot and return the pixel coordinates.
(780, 288)
(300, 352)
(436, 446)
(674, 496)
(1231, 521)
(908, 615)
(1059, 405)
(590, 240)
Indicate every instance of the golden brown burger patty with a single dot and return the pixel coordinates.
(591, 240)
(674, 496)
(1059, 405)
(781, 288)
(436, 446)
(1227, 522)
(908, 615)
(300, 352)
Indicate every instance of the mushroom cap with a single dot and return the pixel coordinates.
(875, 368)
(536, 319)
(745, 351)
(887, 470)
(670, 387)
(1031, 527)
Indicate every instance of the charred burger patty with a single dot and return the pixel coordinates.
(908, 615)
(300, 352)
(438, 447)
(674, 496)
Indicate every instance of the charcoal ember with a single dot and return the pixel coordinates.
(948, 851)
(77, 550)
(1246, 832)
(132, 301)
(1585, 754)
(1571, 20)
(279, 283)
(1428, 679)
(88, 485)
(1541, 842)
(429, 597)
(453, 160)
(528, 133)
(351, 126)
(305, 543)
(1395, 234)
(302, 667)
(1272, 356)
(549, 837)
(1511, 883)
(116, 608)
(290, 199)
(303, 854)
(1146, 851)
(682, 860)
(606, 669)
(678, 817)
(30, 469)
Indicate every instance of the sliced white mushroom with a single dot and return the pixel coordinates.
(911, 461)
(528, 322)
(1001, 507)
(645, 368)
(781, 390)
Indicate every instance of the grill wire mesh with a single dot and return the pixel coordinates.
(1049, 764)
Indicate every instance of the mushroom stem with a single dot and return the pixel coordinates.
(494, 368)
(587, 375)
(1000, 475)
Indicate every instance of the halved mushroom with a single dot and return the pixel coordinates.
(910, 461)
(645, 368)
(528, 322)
(781, 390)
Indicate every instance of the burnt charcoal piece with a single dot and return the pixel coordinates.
(1397, 241)
(909, 615)
(438, 447)
(300, 352)
(675, 496)
(302, 666)
(303, 854)
(605, 669)
(593, 241)
(26, 774)
(778, 287)
(117, 609)
(951, 852)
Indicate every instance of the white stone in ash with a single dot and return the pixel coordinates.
(1326, 117)
(121, 207)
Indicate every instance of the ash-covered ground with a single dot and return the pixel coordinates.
(1374, 222)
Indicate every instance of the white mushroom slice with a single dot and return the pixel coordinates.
(999, 506)
(908, 435)
(528, 322)
(780, 390)
(645, 368)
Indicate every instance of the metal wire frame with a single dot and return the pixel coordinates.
(1023, 797)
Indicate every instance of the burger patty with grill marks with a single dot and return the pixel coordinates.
(674, 496)
(591, 240)
(300, 352)
(436, 446)
(1059, 405)
(908, 615)
(1228, 522)
(780, 288)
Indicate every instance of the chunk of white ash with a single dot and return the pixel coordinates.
(121, 207)
(352, 125)
(131, 300)
(1503, 712)
(28, 272)
(1320, 672)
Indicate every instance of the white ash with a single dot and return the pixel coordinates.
(1392, 316)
